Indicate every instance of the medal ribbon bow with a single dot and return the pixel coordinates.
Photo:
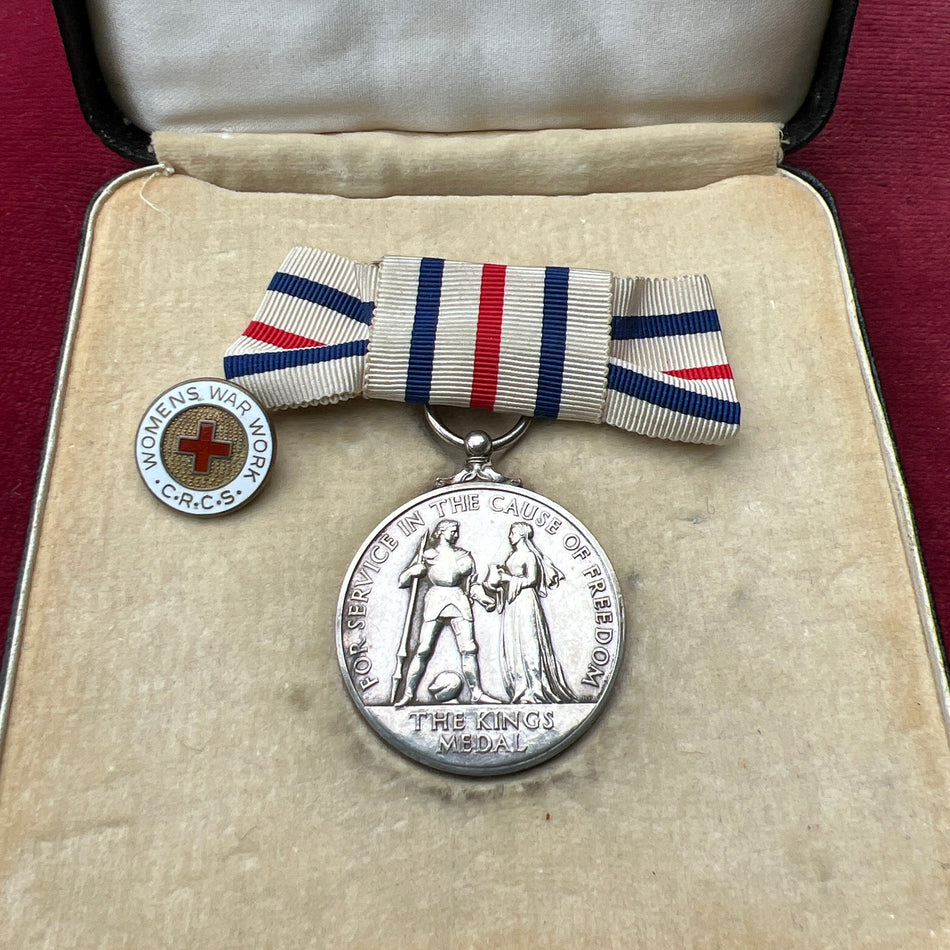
(643, 354)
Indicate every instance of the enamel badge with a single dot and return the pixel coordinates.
(204, 447)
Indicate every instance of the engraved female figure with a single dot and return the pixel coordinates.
(532, 672)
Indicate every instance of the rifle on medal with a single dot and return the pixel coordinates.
(403, 651)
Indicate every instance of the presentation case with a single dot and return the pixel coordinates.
(181, 762)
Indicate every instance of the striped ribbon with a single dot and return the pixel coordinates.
(642, 354)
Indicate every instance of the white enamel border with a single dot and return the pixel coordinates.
(207, 503)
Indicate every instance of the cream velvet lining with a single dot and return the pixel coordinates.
(183, 765)
(551, 162)
(430, 66)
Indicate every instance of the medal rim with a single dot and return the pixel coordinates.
(541, 756)
(252, 494)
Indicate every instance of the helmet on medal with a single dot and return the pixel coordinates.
(445, 686)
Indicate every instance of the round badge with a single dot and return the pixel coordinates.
(204, 447)
(479, 629)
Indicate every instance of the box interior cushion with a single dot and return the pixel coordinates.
(548, 162)
(179, 726)
(429, 66)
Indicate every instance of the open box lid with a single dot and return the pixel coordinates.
(139, 67)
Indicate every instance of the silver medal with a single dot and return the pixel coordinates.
(480, 626)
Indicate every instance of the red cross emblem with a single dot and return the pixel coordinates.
(204, 447)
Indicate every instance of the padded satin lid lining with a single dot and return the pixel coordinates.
(327, 65)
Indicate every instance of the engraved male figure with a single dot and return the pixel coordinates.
(450, 571)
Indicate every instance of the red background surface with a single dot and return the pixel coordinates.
(883, 156)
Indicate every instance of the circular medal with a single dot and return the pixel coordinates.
(204, 447)
(480, 627)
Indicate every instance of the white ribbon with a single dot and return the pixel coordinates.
(642, 354)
